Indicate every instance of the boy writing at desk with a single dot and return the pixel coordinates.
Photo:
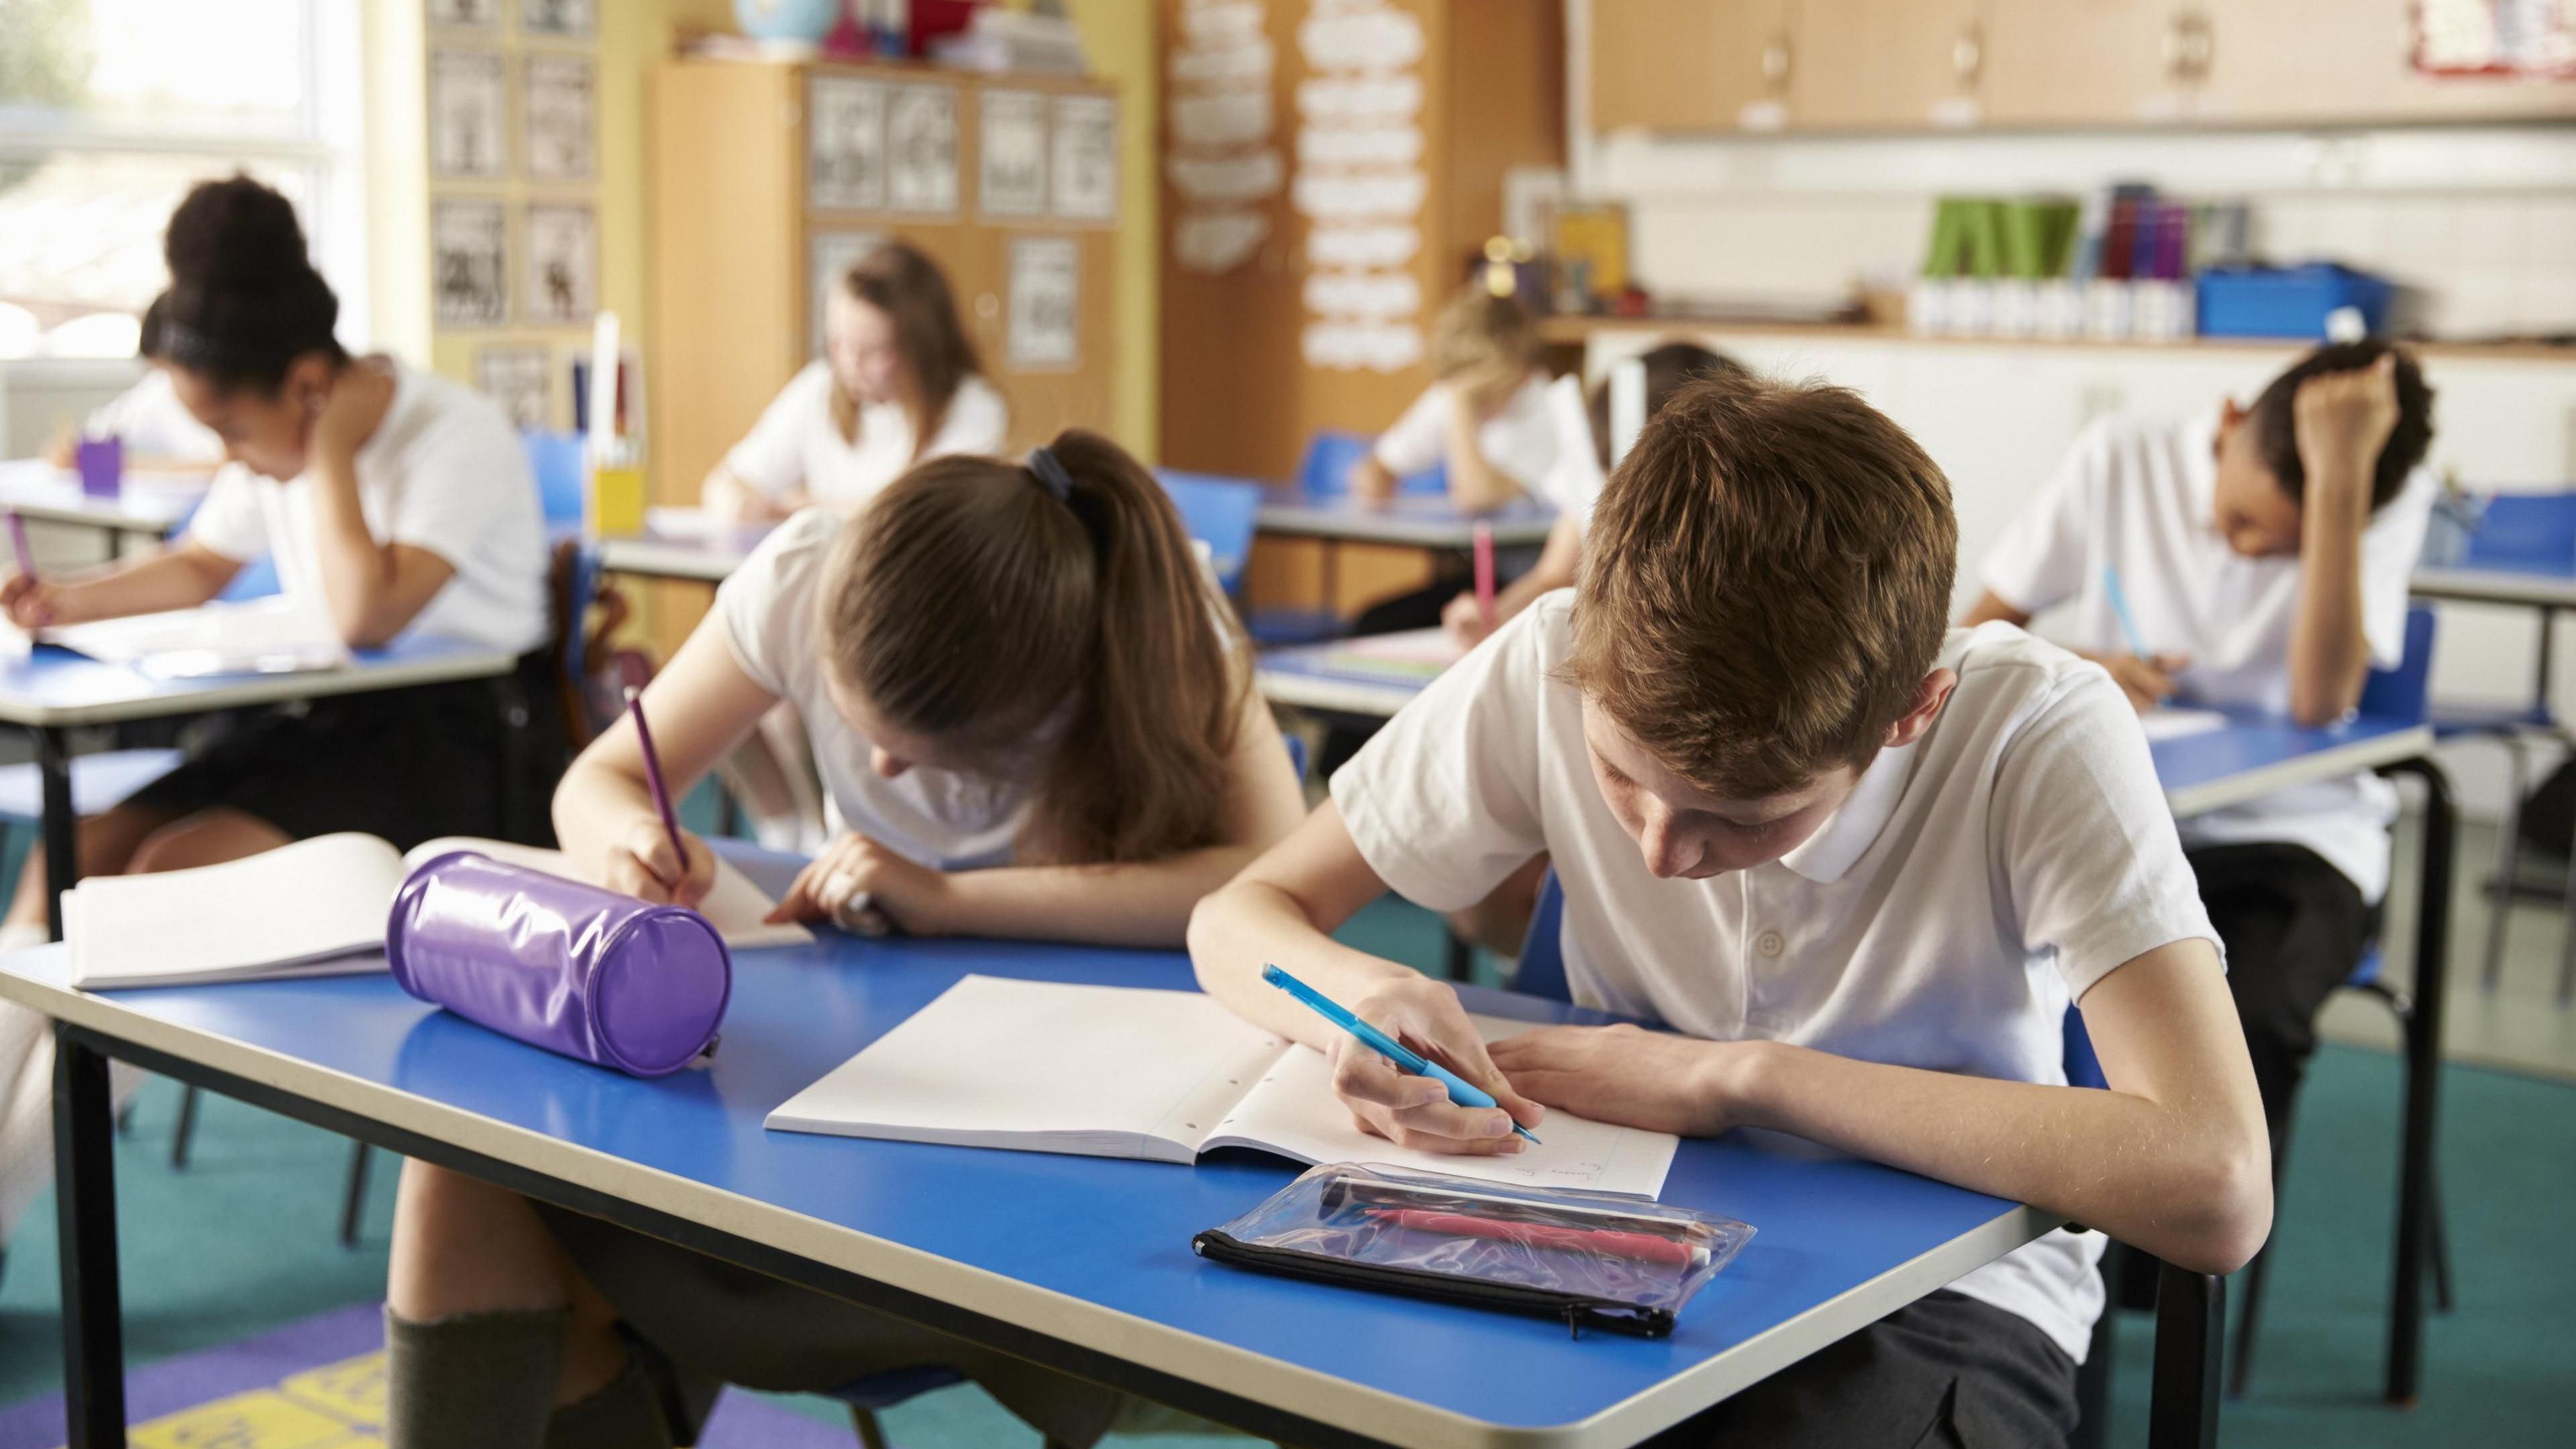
(2268, 551)
(1860, 864)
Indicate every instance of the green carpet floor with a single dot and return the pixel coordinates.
(243, 1240)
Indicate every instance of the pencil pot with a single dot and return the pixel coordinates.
(586, 972)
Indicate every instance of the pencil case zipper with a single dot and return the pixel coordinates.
(1577, 1311)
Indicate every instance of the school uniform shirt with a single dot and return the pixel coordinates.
(768, 610)
(1519, 441)
(153, 423)
(796, 445)
(444, 472)
(1974, 883)
(2140, 494)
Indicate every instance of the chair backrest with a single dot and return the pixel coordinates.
(1218, 512)
(556, 460)
(1297, 756)
(1325, 471)
(2083, 1068)
(2525, 528)
(575, 583)
(2405, 692)
(1541, 969)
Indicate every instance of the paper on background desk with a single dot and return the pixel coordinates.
(279, 635)
(2173, 724)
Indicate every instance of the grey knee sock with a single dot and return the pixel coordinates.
(485, 1380)
(627, 1414)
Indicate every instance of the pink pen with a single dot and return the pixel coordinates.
(1645, 1247)
(653, 776)
(1485, 574)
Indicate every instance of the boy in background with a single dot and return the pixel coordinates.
(1485, 416)
(1861, 864)
(2264, 555)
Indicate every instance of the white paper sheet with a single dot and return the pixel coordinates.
(2173, 724)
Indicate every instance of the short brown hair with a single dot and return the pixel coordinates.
(972, 603)
(1765, 584)
(2276, 428)
(1479, 329)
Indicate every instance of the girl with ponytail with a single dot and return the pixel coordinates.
(1036, 717)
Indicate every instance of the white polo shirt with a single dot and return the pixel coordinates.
(2141, 494)
(443, 471)
(1519, 441)
(153, 423)
(1973, 884)
(796, 444)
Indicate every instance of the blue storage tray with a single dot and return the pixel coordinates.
(2288, 301)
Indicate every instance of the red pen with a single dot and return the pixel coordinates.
(1485, 574)
(1646, 1247)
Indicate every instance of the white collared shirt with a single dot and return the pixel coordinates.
(2141, 494)
(1519, 441)
(796, 445)
(1943, 917)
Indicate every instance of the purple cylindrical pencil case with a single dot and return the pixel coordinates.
(570, 967)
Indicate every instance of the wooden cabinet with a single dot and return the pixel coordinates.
(1887, 64)
(2089, 62)
(1693, 65)
(741, 250)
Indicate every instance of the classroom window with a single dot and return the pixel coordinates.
(111, 109)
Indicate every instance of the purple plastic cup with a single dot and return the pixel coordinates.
(575, 969)
(101, 462)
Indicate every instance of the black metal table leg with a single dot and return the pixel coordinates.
(1457, 956)
(2423, 1081)
(62, 859)
(2191, 1325)
(85, 1222)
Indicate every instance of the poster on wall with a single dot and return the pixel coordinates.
(569, 19)
(465, 14)
(1045, 306)
(845, 144)
(557, 117)
(561, 266)
(921, 150)
(833, 251)
(1086, 158)
(469, 263)
(1013, 152)
(520, 379)
(468, 116)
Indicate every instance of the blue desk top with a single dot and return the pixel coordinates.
(54, 686)
(1109, 1233)
(2255, 755)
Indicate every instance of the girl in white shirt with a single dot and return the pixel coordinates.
(160, 435)
(1038, 720)
(897, 384)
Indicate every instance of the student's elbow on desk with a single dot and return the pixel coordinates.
(2220, 1208)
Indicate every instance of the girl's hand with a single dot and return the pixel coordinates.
(1464, 621)
(642, 864)
(31, 603)
(1416, 1112)
(1624, 1074)
(908, 895)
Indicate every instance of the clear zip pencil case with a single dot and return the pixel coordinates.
(1592, 1259)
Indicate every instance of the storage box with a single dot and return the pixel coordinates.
(2288, 302)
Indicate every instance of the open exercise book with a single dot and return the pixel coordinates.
(313, 908)
(277, 635)
(1409, 656)
(1114, 1071)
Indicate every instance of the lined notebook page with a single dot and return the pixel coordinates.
(1044, 1066)
(1293, 1111)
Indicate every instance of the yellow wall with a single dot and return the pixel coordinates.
(1119, 38)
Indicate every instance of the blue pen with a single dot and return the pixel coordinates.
(2119, 601)
(1461, 1091)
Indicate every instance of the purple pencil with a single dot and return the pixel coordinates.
(653, 775)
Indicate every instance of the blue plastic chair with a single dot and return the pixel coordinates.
(1325, 471)
(1220, 513)
(556, 460)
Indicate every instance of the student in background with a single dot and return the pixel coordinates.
(159, 434)
(2264, 556)
(1039, 722)
(410, 510)
(1861, 865)
(1485, 416)
(1574, 489)
(897, 383)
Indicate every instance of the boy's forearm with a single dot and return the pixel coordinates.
(2158, 1177)
(1249, 924)
(2329, 648)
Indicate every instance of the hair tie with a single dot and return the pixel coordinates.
(1051, 473)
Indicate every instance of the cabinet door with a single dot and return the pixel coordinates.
(1691, 65)
(1888, 63)
(2118, 62)
(2304, 60)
